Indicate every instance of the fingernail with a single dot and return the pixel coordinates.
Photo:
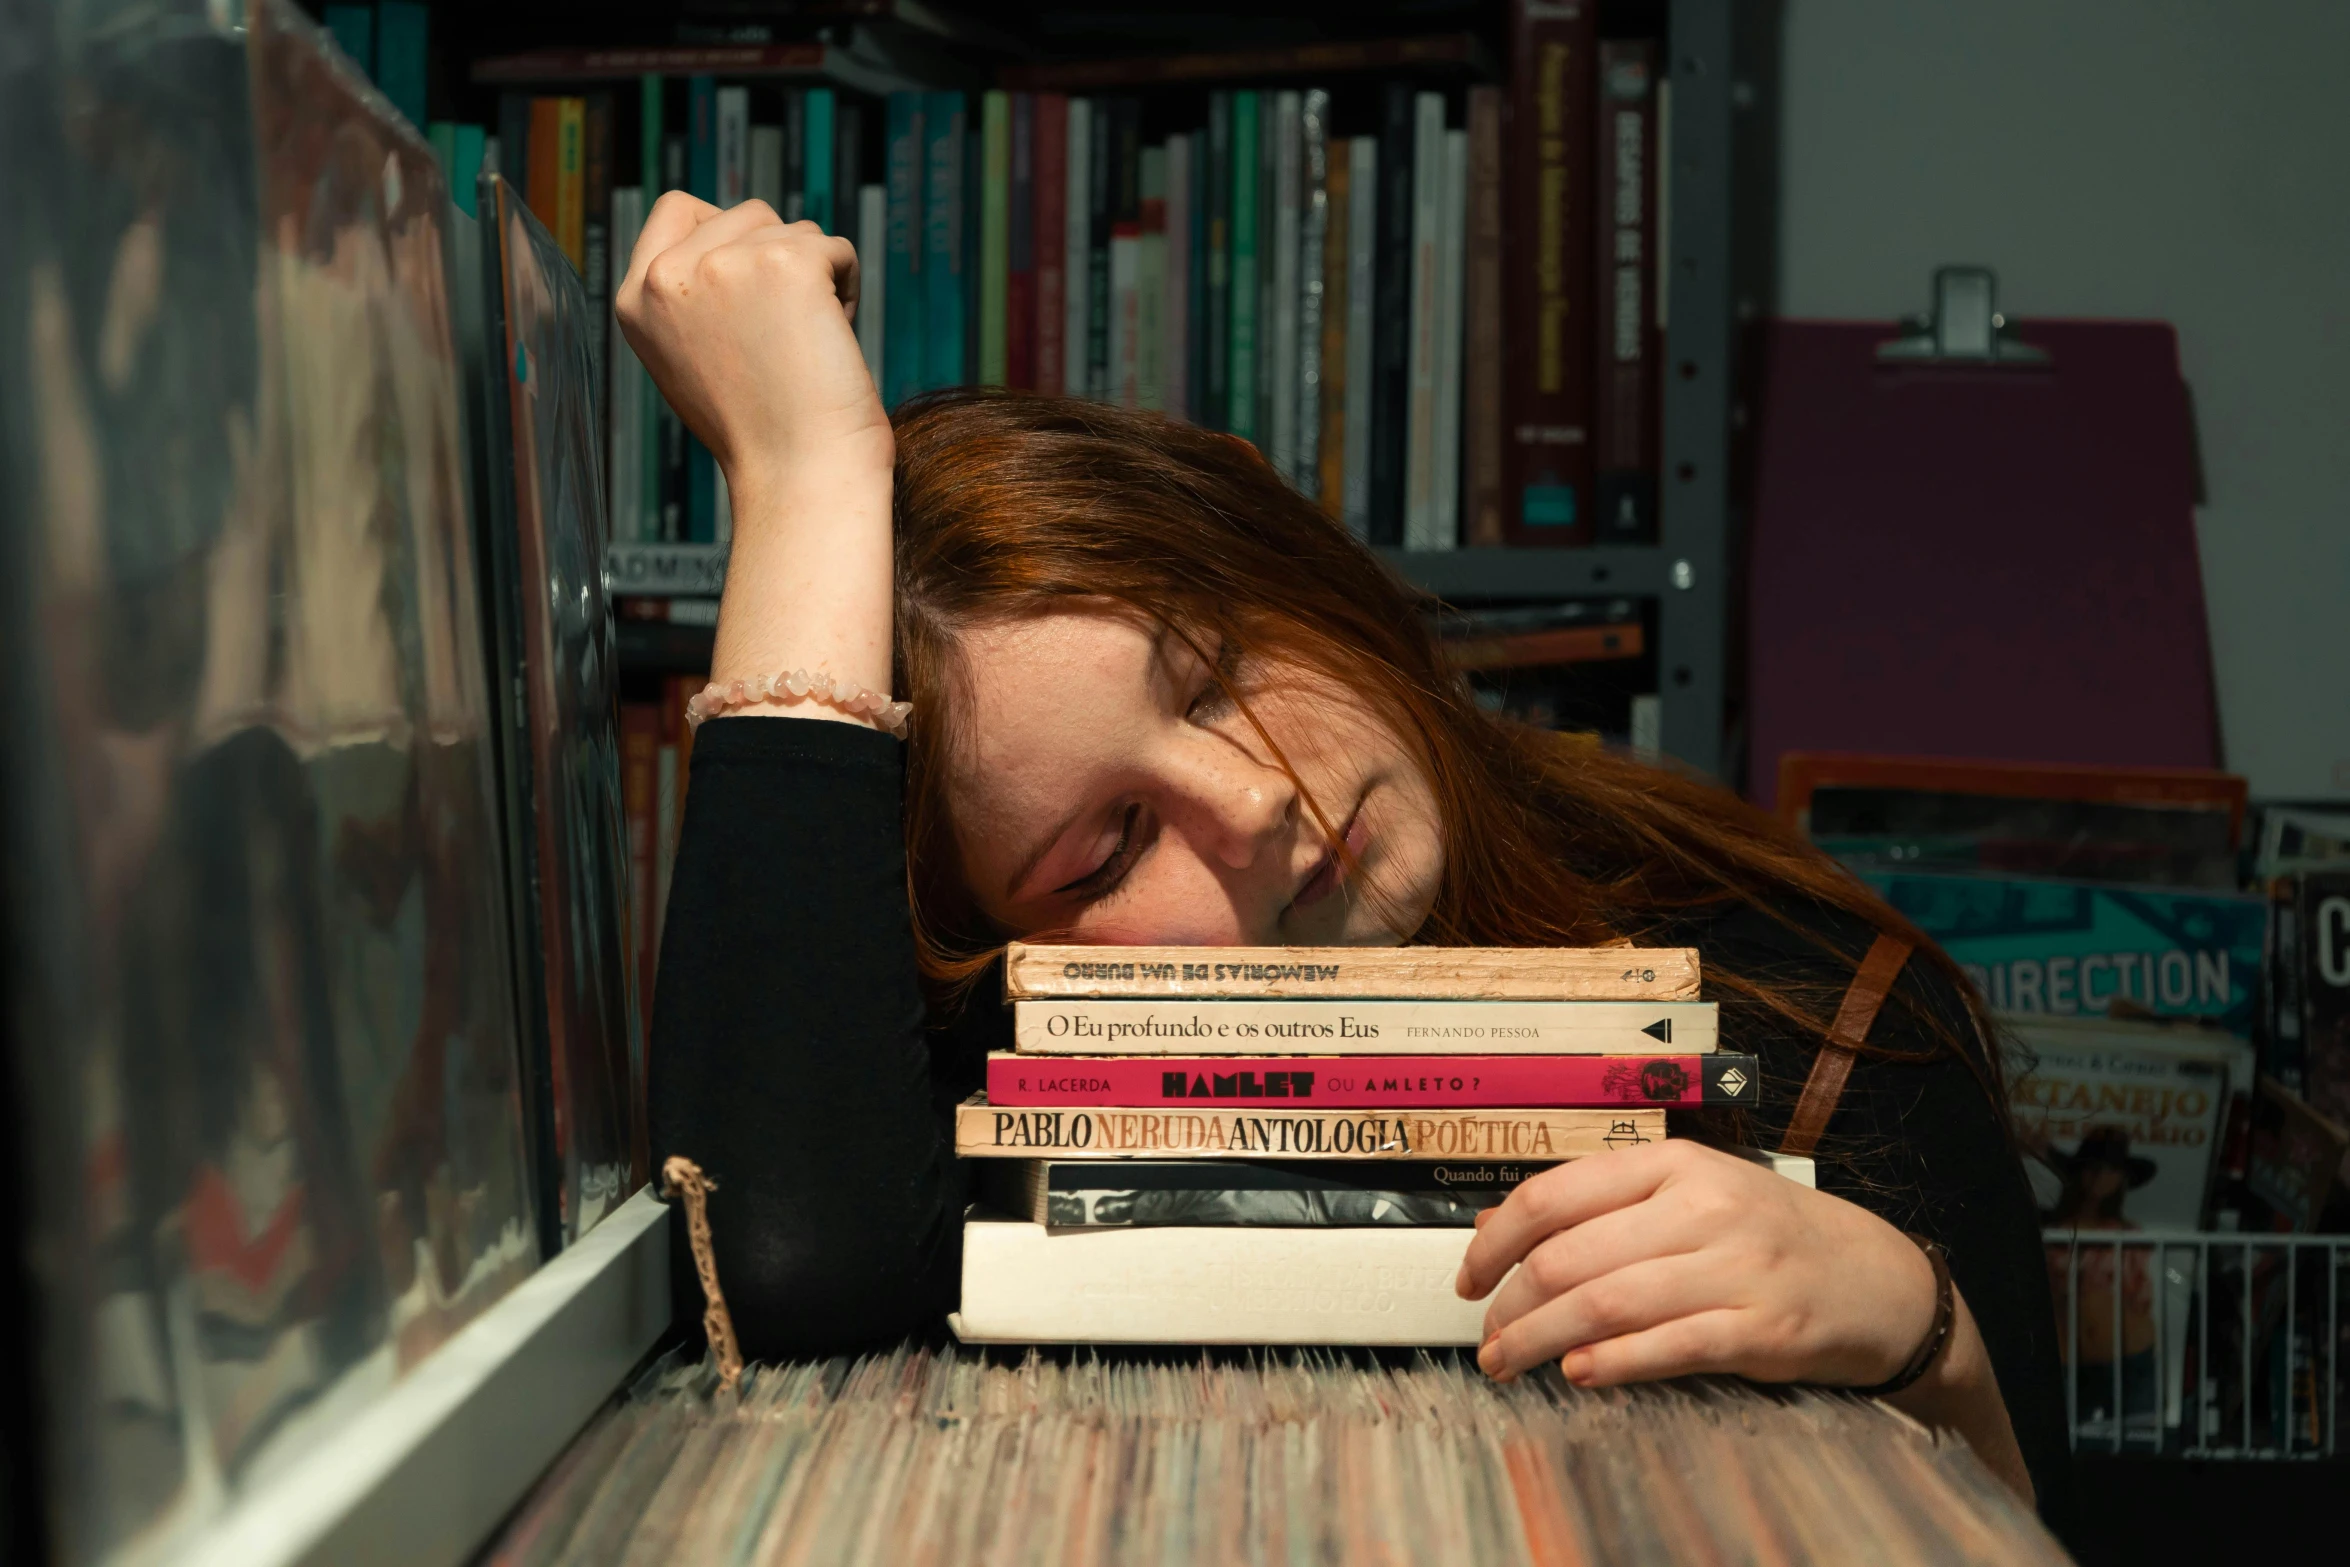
(1460, 1282)
(1577, 1366)
(1488, 1358)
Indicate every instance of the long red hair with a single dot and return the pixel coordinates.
(1008, 505)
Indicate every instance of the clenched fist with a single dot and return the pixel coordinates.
(744, 322)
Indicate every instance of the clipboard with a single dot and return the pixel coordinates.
(1981, 553)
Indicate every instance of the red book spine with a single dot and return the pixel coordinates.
(1624, 432)
(1374, 1082)
(1051, 206)
(1548, 220)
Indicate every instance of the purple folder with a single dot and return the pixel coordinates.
(1980, 561)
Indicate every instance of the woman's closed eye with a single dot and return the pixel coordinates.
(1211, 697)
(1114, 865)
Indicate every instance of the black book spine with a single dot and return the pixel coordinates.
(596, 236)
(1099, 211)
(848, 163)
(795, 155)
(1391, 330)
(514, 141)
(1216, 350)
(674, 453)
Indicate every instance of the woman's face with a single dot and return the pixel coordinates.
(1105, 787)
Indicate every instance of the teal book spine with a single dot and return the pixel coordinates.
(903, 333)
(943, 131)
(995, 234)
(459, 149)
(1241, 405)
(701, 496)
(816, 201)
(651, 125)
(353, 27)
(401, 28)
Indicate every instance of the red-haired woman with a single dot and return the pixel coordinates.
(1159, 698)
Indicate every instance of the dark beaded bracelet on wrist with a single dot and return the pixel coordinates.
(1937, 1337)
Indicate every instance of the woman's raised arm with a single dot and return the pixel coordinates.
(744, 322)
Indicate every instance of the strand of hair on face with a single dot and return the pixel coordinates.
(683, 1179)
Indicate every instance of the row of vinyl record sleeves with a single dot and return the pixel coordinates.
(1436, 313)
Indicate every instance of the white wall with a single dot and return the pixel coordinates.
(2187, 160)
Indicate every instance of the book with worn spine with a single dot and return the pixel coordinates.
(1035, 971)
(1353, 1027)
(1098, 1193)
(985, 1131)
(1376, 1082)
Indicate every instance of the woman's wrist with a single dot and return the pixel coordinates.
(808, 579)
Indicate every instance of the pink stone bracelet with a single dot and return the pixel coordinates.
(799, 686)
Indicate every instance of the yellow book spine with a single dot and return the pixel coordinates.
(570, 188)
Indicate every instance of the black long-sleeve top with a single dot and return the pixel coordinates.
(790, 1058)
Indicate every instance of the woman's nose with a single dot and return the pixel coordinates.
(1246, 811)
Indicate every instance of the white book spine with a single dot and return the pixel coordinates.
(1288, 148)
(1451, 276)
(872, 274)
(1381, 1285)
(1175, 313)
(1362, 253)
(1150, 282)
(625, 495)
(1364, 1028)
(1419, 485)
(1313, 231)
(1076, 269)
(734, 151)
(767, 166)
(1125, 248)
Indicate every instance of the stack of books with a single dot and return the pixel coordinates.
(1288, 1145)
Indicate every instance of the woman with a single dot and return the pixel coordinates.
(1158, 698)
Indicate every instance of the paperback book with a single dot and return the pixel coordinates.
(1375, 1082)
(985, 1131)
(1365, 1027)
(1096, 1193)
(1034, 972)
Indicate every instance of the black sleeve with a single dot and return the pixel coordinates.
(1922, 1145)
(789, 1057)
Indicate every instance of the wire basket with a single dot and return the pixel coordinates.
(2229, 1345)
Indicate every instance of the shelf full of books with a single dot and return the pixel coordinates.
(1429, 283)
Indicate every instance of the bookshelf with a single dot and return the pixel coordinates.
(1686, 576)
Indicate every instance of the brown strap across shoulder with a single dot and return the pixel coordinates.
(1833, 1064)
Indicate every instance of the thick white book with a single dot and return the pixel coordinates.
(1362, 264)
(872, 272)
(1175, 309)
(1281, 331)
(1313, 226)
(1024, 1283)
(734, 145)
(767, 166)
(1077, 243)
(1150, 283)
(1227, 1028)
(1451, 322)
(624, 449)
(1419, 463)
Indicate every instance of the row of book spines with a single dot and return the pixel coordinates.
(656, 744)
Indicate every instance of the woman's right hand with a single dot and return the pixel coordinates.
(743, 321)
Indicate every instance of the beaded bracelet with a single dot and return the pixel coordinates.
(796, 686)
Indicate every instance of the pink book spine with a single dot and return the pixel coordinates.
(1373, 1082)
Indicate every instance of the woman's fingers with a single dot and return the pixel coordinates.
(673, 217)
(1560, 1197)
(1707, 1341)
(1574, 1257)
(1628, 1300)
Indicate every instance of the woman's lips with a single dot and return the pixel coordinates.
(1332, 871)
